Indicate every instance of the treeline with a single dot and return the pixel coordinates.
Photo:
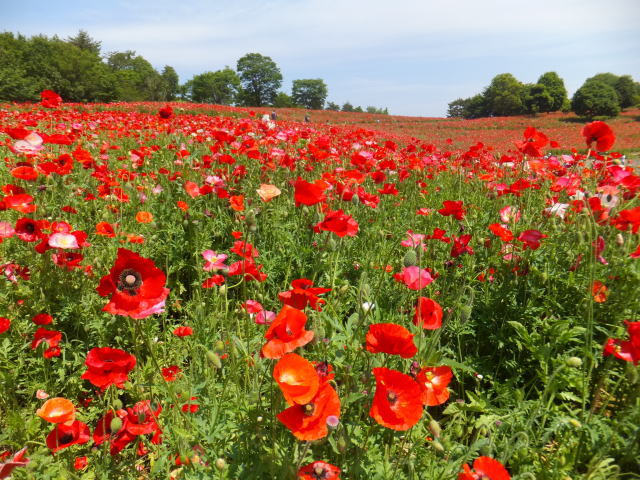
(604, 94)
(77, 70)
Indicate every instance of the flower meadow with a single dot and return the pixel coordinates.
(191, 295)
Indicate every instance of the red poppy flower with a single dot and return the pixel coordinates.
(5, 323)
(105, 229)
(20, 203)
(628, 350)
(139, 420)
(599, 291)
(286, 333)
(50, 99)
(27, 230)
(297, 378)
(80, 463)
(309, 421)
(531, 239)
(249, 269)
(108, 366)
(428, 314)
(244, 250)
(460, 246)
(390, 338)
(434, 381)
(533, 142)
(303, 293)
(397, 403)
(136, 286)
(628, 218)
(63, 436)
(338, 223)
(51, 337)
(600, 133)
(213, 281)
(42, 319)
(18, 460)
(166, 112)
(486, 468)
(171, 373)
(57, 410)
(309, 193)
(319, 471)
(501, 231)
(414, 277)
(452, 208)
(183, 331)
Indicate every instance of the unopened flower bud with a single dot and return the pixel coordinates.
(221, 464)
(575, 362)
(434, 428)
(214, 359)
(619, 240)
(115, 425)
(410, 258)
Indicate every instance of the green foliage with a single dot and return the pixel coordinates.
(333, 106)
(220, 87)
(347, 107)
(504, 95)
(596, 98)
(260, 78)
(283, 100)
(626, 89)
(379, 111)
(309, 93)
(555, 88)
(84, 42)
(537, 98)
(171, 82)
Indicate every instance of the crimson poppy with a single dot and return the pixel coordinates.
(51, 338)
(27, 230)
(42, 319)
(460, 245)
(628, 350)
(501, 231)
(171, 373)
(309, 421)
(108, 366)
(339, 223)
(390, 338)
(141, 419)
(166, 112)
(309, 193)
(183, 331)
(428, 314)
(319, 470)
(600, 133)
(136, 286)
(249, 269)
(50, 99)
(533, 142)
(286, 333)
(484, 468)
(531, 239)
(18, 460)
(63, 436)
(452, 208)
(434, 381)
(297, 378)
(5, 323)
(302, 293)
(397, 403)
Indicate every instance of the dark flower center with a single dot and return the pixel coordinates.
(309, 409)
(65, 438)
(29, 227)
(129, 281)
(320, 473)
(392, 397)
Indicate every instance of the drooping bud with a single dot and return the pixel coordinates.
(410, 258)
(434, 428)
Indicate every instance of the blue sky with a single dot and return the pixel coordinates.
(412, 56)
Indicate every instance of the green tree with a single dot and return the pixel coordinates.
(309, 93)
(458, 108)
(171, 82)
(84, 42)
(260, 78)
(333, 106)
(537, 98)
(220, 87)
(504, 95)
(347, 107)
(555, 88)
(283, 100)
(595, 98)
(135, 78)
(626, 88)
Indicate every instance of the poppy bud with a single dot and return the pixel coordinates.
(575, 423)
(221, 464)
(117, 404)
(355, 200)
(410, 258)
(115, 425)
(219, 346)
(434, 428)
(485, 450)
(222, 289)
(575, 362)
(214, 359)
(344, 289)
(342, 444)
(619, 240)
(437, 446)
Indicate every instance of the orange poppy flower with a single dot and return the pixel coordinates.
(57, 410)
(144, 217)
(392, 339)
(309, 421)
(268, 192)
(237, 203)
(286, 333)
(297, 378)
(397, 403)
(434, 382)
(599, 292)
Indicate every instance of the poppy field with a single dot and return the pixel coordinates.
(192, 293)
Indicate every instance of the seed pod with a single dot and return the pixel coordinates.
(434, 428)
(410, 258)
(115, 425)
(117, 404)
(214, 359)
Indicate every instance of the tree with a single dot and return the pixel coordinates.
(537, 98)
(283, 100)
(333, 106)
(309, 93)
(135, 78)
(260, 78)
(171, 82)
(220, 87)
(347, 107)
(84, 42)
(626, 89)
(596, 98)
(504, 95)
(555, 88)
(457, 108)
